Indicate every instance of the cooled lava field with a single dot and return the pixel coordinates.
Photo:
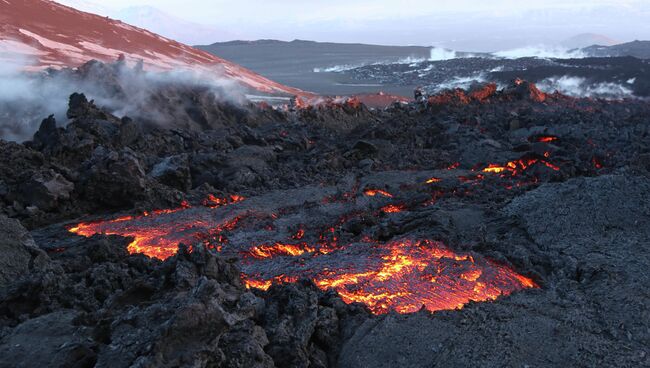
(484, 227)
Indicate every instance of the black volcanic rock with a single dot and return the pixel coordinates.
(173, 171)
(113, 178)
(46, 190)
(79, 106)
(20, 254)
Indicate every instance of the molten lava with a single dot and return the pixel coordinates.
(411, 275)
(279, 249)
(404, 276)
(215, 202)
(376, 192)
(544, 139)
(155, 235)
(517, 167)
(392, 208)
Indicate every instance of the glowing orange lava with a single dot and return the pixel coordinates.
(405, 275)
(375, 192)
(216, 202)
(156, 238)
(518, 166)
(411, 275)
(391, 208)
(279, 249)
(547, 139)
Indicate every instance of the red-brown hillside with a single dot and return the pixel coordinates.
(47, 34)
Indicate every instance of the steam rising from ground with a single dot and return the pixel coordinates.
(460, 82)
(541, 52)
(27, 98)
(581, 87)
(437, 54)
(346, 67)
(440, 54)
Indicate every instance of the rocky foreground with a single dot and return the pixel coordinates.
(553, 188)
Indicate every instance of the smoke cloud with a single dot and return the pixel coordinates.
(161, 98)
(581, 87)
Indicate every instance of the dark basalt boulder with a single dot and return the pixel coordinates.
(46, 190)
(173, 171)
(20, 255)
(113, 178)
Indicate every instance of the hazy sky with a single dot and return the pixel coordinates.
(462, 24)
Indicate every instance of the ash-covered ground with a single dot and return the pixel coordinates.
(471, 228)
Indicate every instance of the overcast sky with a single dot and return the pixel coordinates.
(460, 24)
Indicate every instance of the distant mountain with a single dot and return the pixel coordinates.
(588, 39)
(167, 25)
(638, 49)
(46, 34)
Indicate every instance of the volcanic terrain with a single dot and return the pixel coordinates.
(480, 227)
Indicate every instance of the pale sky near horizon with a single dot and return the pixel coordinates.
(461, 23)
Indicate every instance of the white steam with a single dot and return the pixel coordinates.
(581, 87)
(462, 82)
(27, 98)
(440, 54)
(541, 52)
(410, 60)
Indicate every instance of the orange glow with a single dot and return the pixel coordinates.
(375, 192)
(393, 208)
(493, 168)
(547, 139)
(153, 239)
(299, 234)
(403, 276)
(404, 282)
(216, 202)
(279, 249)
(518, 166)
(252, 283)
(258, 284)
(415, 274)
(433, 180)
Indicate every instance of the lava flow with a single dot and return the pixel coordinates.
(518, 166)
(407, 276)
(158, 233)
(404, 276)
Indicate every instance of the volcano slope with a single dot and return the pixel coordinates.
(473, 228)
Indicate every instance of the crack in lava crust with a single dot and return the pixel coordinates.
(403, 275)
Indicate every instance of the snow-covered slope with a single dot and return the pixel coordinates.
(46, 34)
